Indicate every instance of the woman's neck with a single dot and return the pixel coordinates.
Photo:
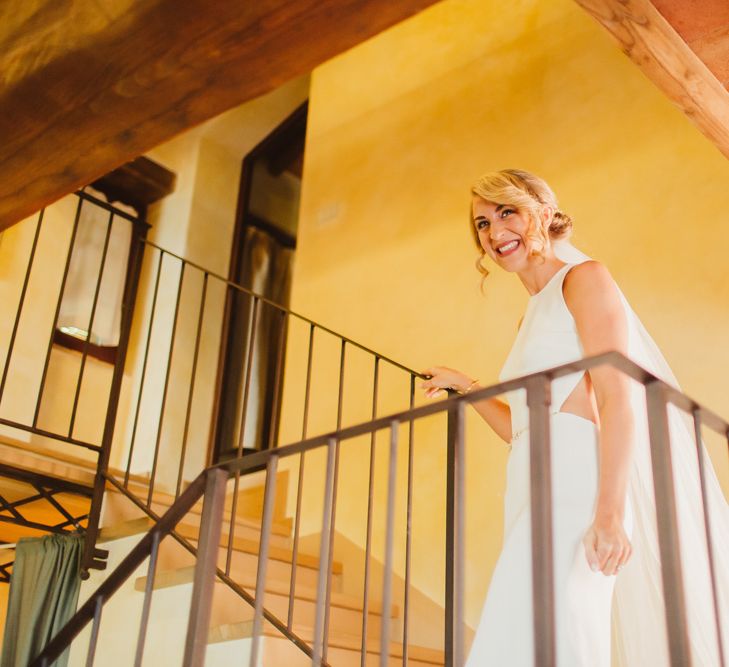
(537, 273)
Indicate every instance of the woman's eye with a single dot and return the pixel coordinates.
(481, 224)
(505, 212)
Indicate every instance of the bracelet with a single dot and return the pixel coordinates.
(467, 389)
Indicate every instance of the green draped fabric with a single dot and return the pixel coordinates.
(44, 590)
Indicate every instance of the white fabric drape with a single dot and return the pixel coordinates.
(639, 629)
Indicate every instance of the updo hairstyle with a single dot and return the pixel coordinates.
(528, 194)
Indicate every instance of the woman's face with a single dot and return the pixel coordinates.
(502, 231)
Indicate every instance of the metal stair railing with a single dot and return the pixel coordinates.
(163, 268)
(156, 278)
(537, 386)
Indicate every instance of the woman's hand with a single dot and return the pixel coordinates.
(607, 547)
(442, 378)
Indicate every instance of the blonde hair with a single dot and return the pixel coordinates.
(527, 193)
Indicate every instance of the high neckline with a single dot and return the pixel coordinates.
(547, 284)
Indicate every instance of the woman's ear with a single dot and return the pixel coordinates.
(547, 215)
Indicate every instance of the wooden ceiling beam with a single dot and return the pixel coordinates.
(650, 42)
(92, 84)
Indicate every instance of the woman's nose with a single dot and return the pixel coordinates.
(496, 229)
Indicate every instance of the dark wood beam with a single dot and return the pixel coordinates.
(650, 41)
(90, 85)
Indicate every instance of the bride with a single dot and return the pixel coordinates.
(603, 506)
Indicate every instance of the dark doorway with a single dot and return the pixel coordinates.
(254, 336)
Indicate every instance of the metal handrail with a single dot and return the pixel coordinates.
(615, 359)
(537, 386)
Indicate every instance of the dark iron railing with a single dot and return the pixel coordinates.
(168, 302)
(660, 395)
(62, 235)
(162, 277)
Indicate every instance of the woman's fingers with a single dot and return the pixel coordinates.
(606, 553)
(611, 563)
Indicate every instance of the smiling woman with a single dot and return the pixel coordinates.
(601, 473)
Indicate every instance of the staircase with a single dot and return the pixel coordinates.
(231, 622)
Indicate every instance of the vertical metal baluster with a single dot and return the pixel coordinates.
(300, 486)
(408, 530)
(211, 526)
(168, 371)
(678, 643)
(90, 326)
(460, 534)
(58, 310)
(450, 536)
(540, 474)
(307, 392)
(21, 302)
(247, 382)
(322, 585)
(332, 527)
(129, 299)
(696, 413)
(148, 588)
(389, 545)
(370, 509)
(275, 417)
(144, 368)
(269, 499)
(91, 653)
(191, 391)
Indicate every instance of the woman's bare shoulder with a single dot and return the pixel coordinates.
(589, 277)
(589, 286)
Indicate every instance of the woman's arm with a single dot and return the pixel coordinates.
(594, 301)
(494, 412)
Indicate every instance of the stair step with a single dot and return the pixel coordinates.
(227, 605)
(191, 532)
(52, 462)
(161, 501)
(118, 509)
(244, 556)
(186, 575)
(342, 648)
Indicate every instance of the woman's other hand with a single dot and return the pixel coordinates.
(442, 378)
(607, 547)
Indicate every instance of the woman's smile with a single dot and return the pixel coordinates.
(508, 247)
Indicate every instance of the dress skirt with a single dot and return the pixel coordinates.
(505, 633)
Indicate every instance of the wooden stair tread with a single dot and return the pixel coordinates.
(281, 526)
(246, 545)
(244, 630)
(81, 470)
(240, 544)
(185, 575)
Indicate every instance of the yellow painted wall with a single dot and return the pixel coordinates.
(398, 129)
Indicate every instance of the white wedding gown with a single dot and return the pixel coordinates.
(584, 599)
